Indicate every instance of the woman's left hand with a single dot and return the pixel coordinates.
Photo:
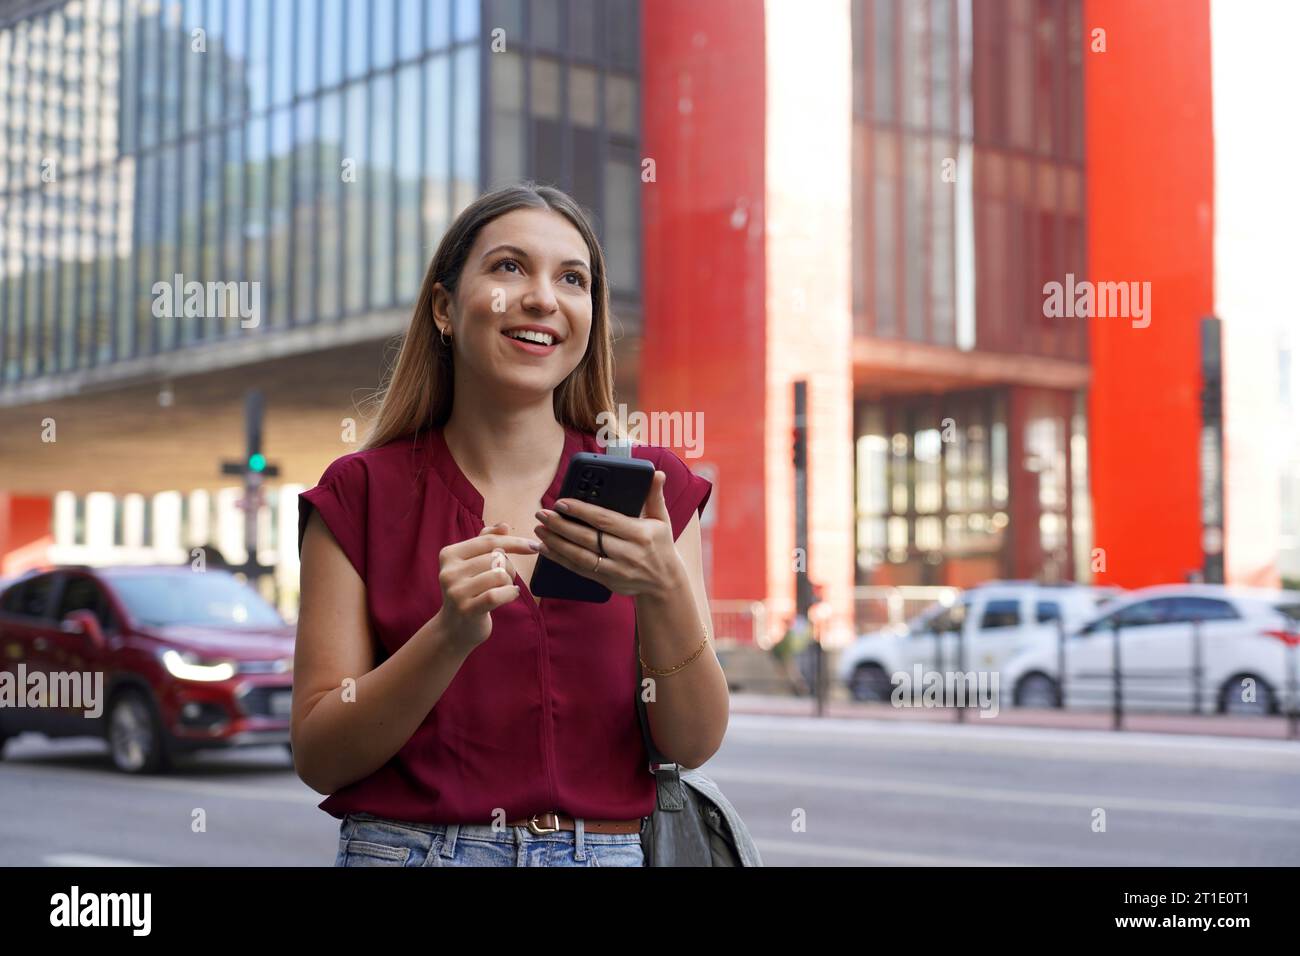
(640, 556)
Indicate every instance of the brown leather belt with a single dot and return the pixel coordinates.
(550, 822)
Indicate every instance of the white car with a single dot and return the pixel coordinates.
(994, 621)
(1242, 651)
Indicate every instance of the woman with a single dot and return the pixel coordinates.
(451, 718)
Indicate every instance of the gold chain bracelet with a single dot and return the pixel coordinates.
(664, 673)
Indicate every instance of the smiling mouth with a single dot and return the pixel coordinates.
(534, 347)
(539, 342)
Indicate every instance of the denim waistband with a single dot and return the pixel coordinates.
(514, 835)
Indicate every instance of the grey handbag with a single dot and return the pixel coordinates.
(693, 824)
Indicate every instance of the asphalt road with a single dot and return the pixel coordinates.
(834, 792)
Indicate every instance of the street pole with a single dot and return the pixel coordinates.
(1060, 662)
(1117, 713)
(960, 675)
(1293, 711)
(1198, 666)
(802, 584)
(254, 470)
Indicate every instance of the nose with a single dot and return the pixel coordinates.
(539, 297)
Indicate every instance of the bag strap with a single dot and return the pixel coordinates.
(655, 756)
(670, 789)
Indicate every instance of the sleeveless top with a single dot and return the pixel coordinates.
(542, 715)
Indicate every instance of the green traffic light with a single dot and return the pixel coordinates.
(256, 462)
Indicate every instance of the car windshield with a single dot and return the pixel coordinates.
(938, 617)
(213, 598)
(921, 622)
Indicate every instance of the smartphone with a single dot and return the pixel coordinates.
(619, 484)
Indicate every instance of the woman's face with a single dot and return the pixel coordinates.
(528, 269)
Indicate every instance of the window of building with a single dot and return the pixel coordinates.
(381, 171)
(308, 61)
(277, 293)
(354, 178)
(438, 24)
(507, 15)
(358, 38)
(506, 79)
(332, 27)
(409, 254)
(383, 33)
(942, 74)
(465, 120)
(304, 129)
(621, 104)
(884, 34)
(584, 27)
(436, 186)
(410, 28)
(303, 211)
(622, 204)
(925, 471)
(885, 167)
(545, 24)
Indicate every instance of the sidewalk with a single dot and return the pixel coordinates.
(1274, 728)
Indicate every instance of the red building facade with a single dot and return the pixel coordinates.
(992, 149)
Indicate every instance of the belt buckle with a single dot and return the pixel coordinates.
(532, 823)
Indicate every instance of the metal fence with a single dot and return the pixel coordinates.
(1168, 688)
(1117, 687)
(742, 622)
(1165, 689)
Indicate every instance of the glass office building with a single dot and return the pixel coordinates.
(315, 148)
(968, 196)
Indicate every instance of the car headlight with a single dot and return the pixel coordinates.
(187, 666)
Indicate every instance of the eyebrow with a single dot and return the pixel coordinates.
(519, 252)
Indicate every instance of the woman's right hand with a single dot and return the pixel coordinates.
(476, 578)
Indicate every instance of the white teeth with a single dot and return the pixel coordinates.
(528, 335)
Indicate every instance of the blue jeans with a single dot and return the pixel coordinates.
(366, 840)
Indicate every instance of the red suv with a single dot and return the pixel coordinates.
(184, 660)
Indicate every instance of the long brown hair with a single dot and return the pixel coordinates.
(418, 394)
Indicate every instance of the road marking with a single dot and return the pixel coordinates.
(896, 727)
(301, 796)
(1281, 757)
(86, 859)
(998, 795)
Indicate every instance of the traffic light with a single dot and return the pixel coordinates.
(254, 469)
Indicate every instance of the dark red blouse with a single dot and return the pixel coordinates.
(540, 716)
